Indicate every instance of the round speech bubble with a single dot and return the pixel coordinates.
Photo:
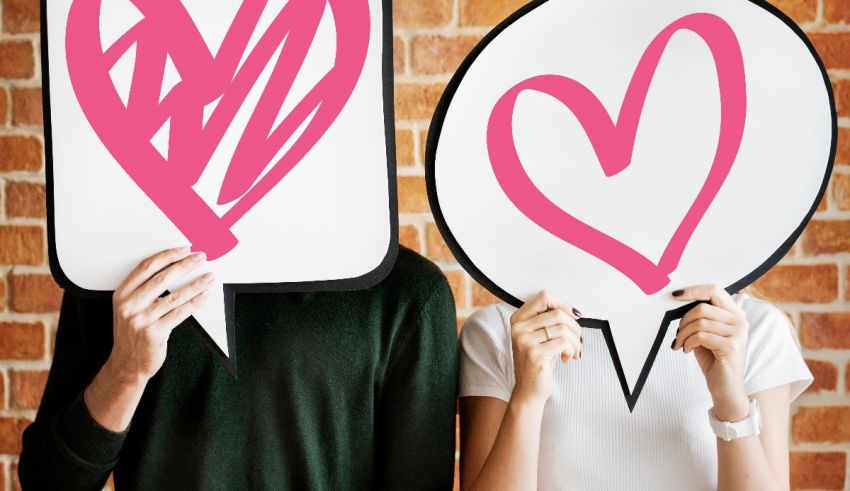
(614, 151)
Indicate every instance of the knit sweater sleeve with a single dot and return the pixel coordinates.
(415, 423)
(64, 448)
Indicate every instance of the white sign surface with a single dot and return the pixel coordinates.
(257, 132)
(614, 151)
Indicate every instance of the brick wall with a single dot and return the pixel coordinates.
(432, 36)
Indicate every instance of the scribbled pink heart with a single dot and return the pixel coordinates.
(614, 144)
(167, 30)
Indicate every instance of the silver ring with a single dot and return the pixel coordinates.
(546, 330)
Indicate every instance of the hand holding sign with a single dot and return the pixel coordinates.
(615, 151)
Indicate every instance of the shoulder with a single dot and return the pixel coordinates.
(769, 326)
(414, 272)
(488, 328)
(773, 353)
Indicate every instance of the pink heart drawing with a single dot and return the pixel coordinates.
(614, 144)
(167, 30)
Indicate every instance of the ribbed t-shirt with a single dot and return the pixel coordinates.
(590, 440)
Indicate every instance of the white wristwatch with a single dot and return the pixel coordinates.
(728, 431)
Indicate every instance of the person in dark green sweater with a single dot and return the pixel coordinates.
(335, 390)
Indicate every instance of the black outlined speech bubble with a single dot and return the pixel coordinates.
(614, 151)
(261, 133)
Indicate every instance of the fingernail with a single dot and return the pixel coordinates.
(677, 331)
(581, 339)
(576, 312)
(579, 355)
(673, 346)
(678, 293)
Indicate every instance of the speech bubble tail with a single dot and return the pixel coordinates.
(215, 323)
(633, 365)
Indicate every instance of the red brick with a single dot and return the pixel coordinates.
(833, 48)
(481, 296)
(16, 59)
(16, 484)
(423, 145)
(821, 424)
(11, 429)
(847, 378)
(2, 391)
(404, 148)
(817, 283)
(21, 16)
(35, 293)
(818, 470)
(412, 196)
(417, 101)
(842, 151)
(409, 237)
(457, 280)
(21, 244)
(825, 330)
(399, 55)
(826, 237)
(26, 107)
(800, 11)
(25, 199)
(836, 11)
(26, 388)
(4, 106)
(841, 89)
(21, 341)
(436, 247)
(20, 153)
(441, 54)
(826, 376)
(3, 291)
(487, 12)
(419, 13)
(841, 191)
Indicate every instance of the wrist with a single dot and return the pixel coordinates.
(119, 375)
(526, 404)
(732, 406)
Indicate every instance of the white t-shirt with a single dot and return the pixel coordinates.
(590, 440)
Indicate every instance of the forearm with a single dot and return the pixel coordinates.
(742, 463)
(512, 462)
(113, 396)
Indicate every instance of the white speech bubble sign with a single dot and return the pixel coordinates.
(261, 133)
(535, 184)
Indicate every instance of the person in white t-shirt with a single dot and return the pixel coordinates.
(529, 422)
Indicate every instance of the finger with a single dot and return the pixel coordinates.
(543, 301)
(159, 282)
(178, 315)
(712, 293)
(166, 304)
(710, 312)
(702, 325)
(707, 340)
(559, 347)
(148, 267)
(546, 319)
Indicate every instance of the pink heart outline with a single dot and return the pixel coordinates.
(126, 131)
(614, 144)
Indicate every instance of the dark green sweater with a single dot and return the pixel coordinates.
(344, 390)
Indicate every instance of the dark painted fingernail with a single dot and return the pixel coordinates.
(678, 330)
(678, 293)
(673, 346)
(581, 339)
(576, 312)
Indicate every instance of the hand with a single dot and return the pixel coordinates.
(543, 330)
(143, 320)
(716, 333)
